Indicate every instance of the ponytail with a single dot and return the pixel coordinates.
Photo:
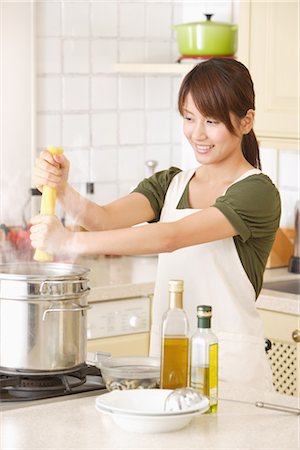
(250, 149)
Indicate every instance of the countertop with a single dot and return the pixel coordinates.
(76, 424)
(279, 301)
(134, 276)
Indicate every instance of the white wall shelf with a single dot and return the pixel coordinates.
(172, 68)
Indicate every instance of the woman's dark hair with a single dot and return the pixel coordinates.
(220, 86)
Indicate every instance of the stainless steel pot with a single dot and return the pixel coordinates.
(43, 317)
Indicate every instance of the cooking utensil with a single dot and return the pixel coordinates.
(265, 405)
(47, 207)
(207, 38)
(182, 399)
(281, 408)
(42, 317)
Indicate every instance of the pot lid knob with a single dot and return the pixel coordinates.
(208, 17)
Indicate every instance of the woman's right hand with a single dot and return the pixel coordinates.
(51, 170)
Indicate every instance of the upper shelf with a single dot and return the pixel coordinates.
(172, 68)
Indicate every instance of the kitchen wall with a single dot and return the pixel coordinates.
(110, 124)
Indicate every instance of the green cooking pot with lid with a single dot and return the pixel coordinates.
(207, 38)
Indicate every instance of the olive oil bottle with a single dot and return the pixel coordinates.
(204, 358)
(174, 369)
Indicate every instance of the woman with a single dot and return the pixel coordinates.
(213, 226)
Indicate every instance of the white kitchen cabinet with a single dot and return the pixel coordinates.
(283, 330)
(269, 47)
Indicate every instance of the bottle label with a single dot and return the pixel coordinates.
(213, 374)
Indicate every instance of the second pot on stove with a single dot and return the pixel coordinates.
(43, 320)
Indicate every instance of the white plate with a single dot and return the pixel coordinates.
(143, 402)
(142, 410)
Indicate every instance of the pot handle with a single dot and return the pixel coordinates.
(208, 17)
(76, 307)
(44, 285)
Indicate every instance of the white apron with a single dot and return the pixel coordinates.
(213, 275)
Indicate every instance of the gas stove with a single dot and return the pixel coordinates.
(19, 390)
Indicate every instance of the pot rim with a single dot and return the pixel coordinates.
(206, 23)
(36, 271)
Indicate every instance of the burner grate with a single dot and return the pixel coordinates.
(23, 387)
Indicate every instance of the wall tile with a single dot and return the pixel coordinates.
(76, 93)
(131, 127)
(75, 19)
(132, 20)
(76, 130)
(104, 165)
(131, 52)
(158, 52)
(104, 92)
(48, 18)
(176, 127)
(158, 127)
(105, 193)
(176, 83)
(104, 129)
(76, 56)
(131, 92)
(48, 95)
(48, 55)
(104, 55)
(194, 11)
(79, 165)
(161, 154)
(158, 92)
(48, 130)
(158, 20)
(104, 19)
(131, 163)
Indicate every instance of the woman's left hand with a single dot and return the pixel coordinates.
(48, 234)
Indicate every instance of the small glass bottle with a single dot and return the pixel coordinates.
(175, 341)
(204, 358)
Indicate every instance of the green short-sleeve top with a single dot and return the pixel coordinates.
(252, 205)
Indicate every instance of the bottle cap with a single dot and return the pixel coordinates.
(204, 311)
(175, 285)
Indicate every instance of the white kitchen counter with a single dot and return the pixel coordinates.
(283, 302)
(76, 424)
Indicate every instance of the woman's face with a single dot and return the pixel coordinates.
(211, 140)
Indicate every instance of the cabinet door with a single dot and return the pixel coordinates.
(284, 355)
(273, 60)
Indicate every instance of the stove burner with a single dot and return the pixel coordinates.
(24, 387)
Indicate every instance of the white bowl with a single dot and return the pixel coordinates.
(142, 410)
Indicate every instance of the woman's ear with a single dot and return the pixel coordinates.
(247, 121)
